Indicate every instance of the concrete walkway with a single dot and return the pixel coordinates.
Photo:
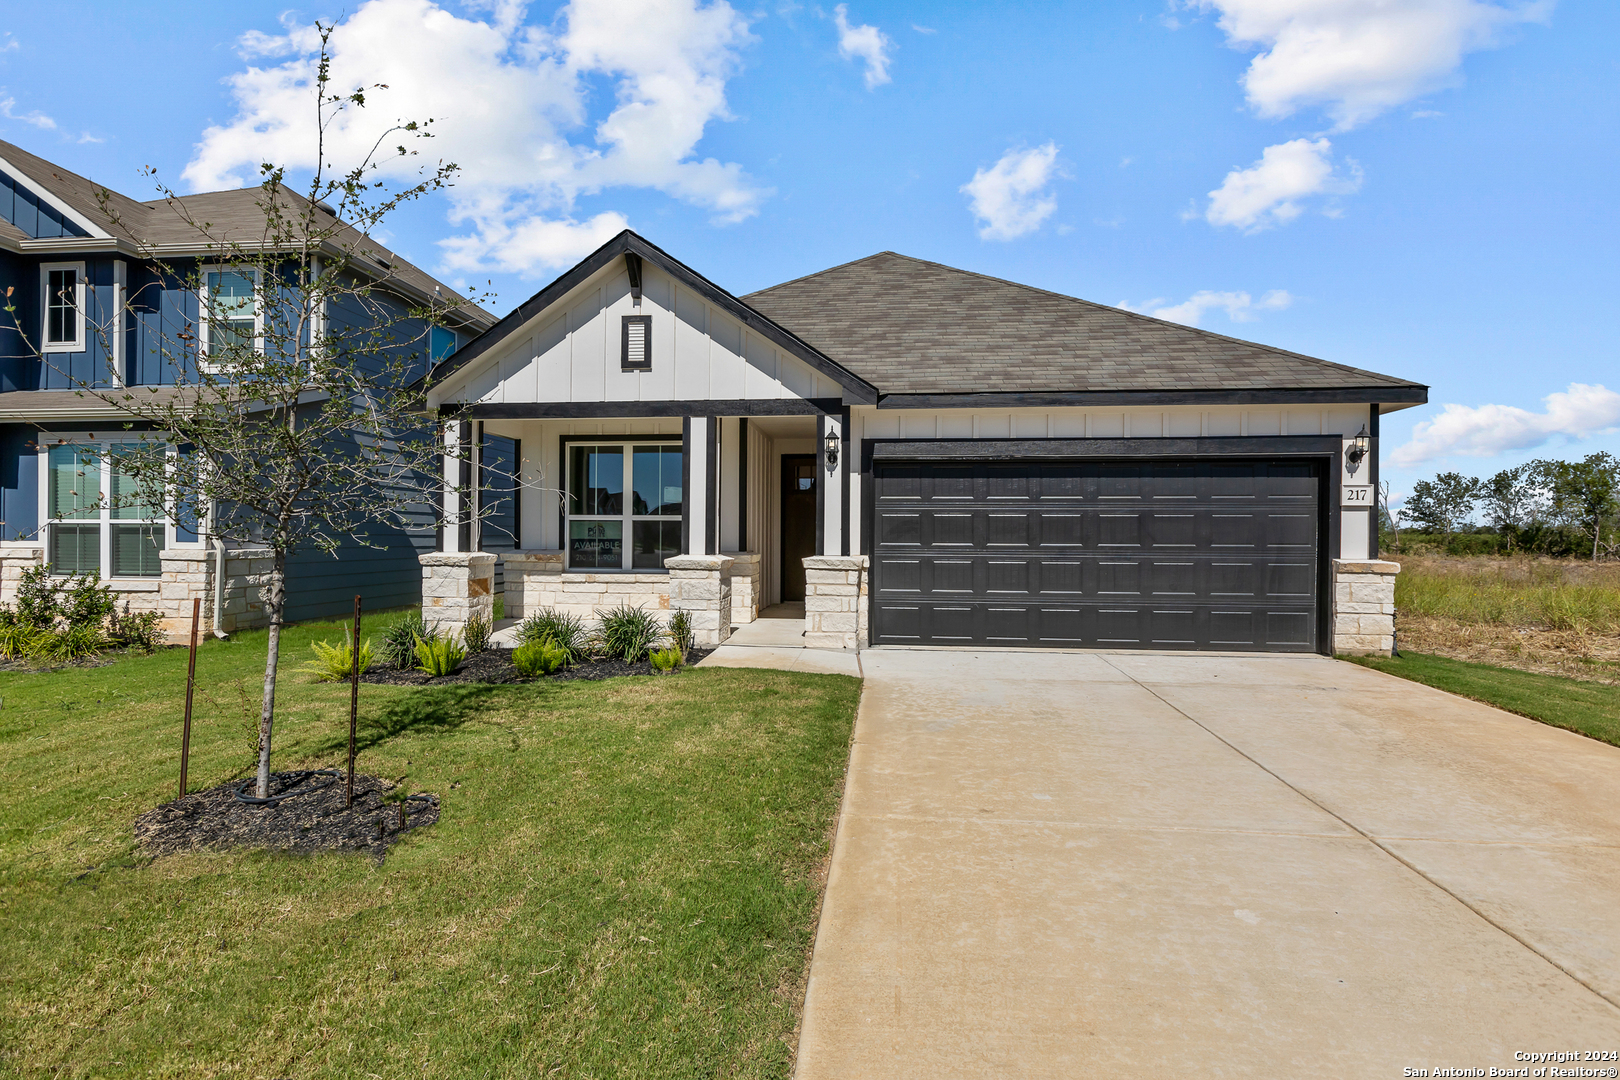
(776, 640)
(1073, 865)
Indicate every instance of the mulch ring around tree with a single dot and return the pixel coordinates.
(495, 666)
(306, 812)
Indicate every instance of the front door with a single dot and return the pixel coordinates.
(798, 521)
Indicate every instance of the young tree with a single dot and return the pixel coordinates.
(1388, 515)
(1442, 504)
(1512, 500)
(293, 423)
(1584, 494)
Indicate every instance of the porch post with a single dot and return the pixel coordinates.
(458, 580)
(830, 501)
(701, 526)
(450, 512)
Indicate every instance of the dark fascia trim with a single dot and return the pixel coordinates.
(1412, 394)
(589, 410)
(1054, 449)
(856, 389)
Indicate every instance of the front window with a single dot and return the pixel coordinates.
(603, 514)
(116, 536)
(64, 306)
(231, 311)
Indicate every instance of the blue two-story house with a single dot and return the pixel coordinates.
(90, 307)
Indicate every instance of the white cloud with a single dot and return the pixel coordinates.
(510, 104)
(1359, 58)
(924, 29)
(1269, 191)
(8, 109)
(865, 43)
(10, 44)
(1011, 197)
(1239, 306)
(1488, 430)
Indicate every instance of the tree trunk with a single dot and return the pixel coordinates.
(274, 604)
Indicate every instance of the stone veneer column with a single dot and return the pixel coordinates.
(456, 585)
(700, 585)
(1364, 607)
(835, 602)
(189, 572)
(533, 580)
(745, 571)
(15, 557)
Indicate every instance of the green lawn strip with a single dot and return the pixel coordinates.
(1589, 708)
(622, 882)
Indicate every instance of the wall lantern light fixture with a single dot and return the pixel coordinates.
(1358, 449)
(831, 446)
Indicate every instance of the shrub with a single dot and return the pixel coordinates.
(398, 648)
(567, 632)
(539, 658)
(72, 643)
(36, 597)
(628, 633)
(335, 663)
(17, 639)
(476, 634)
(136, 630)
(665, 659)
(85, 601)
(680, 632)
(439, 656)
(500, 606)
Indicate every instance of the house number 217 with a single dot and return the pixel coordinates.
(1357, 495)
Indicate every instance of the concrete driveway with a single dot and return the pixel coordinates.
(1145, 865)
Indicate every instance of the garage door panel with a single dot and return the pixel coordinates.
(898, 529)
(1155, 554)
(1060, 578)
(1291, 579)
(1005, 529)
(1061, 529)
(952, 528)
(1119, 530)
(1007, 577)
(1172, 530)
(1119, 578)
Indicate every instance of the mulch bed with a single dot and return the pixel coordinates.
(495, 666)
(309, 816)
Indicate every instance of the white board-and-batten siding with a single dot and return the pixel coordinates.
(571, 352)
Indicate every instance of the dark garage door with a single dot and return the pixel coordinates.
(1206, 554)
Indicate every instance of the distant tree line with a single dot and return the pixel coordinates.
(1544, 507)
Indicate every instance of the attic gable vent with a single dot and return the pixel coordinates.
(636, 354)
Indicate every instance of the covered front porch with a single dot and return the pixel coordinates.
(720, 516)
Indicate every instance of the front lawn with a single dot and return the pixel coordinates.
(1587, 707)
(623, 881)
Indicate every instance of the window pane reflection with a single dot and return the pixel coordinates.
(596, 480)
(657, 476)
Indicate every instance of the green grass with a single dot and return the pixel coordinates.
(1589, 708)
(622, 884)
(1513, 592)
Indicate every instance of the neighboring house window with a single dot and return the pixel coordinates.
(441, 343)
(116, 537)
(603, 514)
(230, 313)
(63, 285)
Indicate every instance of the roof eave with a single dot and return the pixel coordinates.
(856, 390)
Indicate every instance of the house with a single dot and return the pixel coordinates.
(922, 456)
(91, 276)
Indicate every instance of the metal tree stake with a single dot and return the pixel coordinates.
(191, 684)
(354, 699)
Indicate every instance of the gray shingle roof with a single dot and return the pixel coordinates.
(915, 327)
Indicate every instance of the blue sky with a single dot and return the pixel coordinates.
(1420, 187)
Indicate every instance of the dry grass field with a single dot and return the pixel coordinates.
(1552, 616)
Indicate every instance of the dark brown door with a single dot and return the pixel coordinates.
(798, 521)
(1219, 554)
